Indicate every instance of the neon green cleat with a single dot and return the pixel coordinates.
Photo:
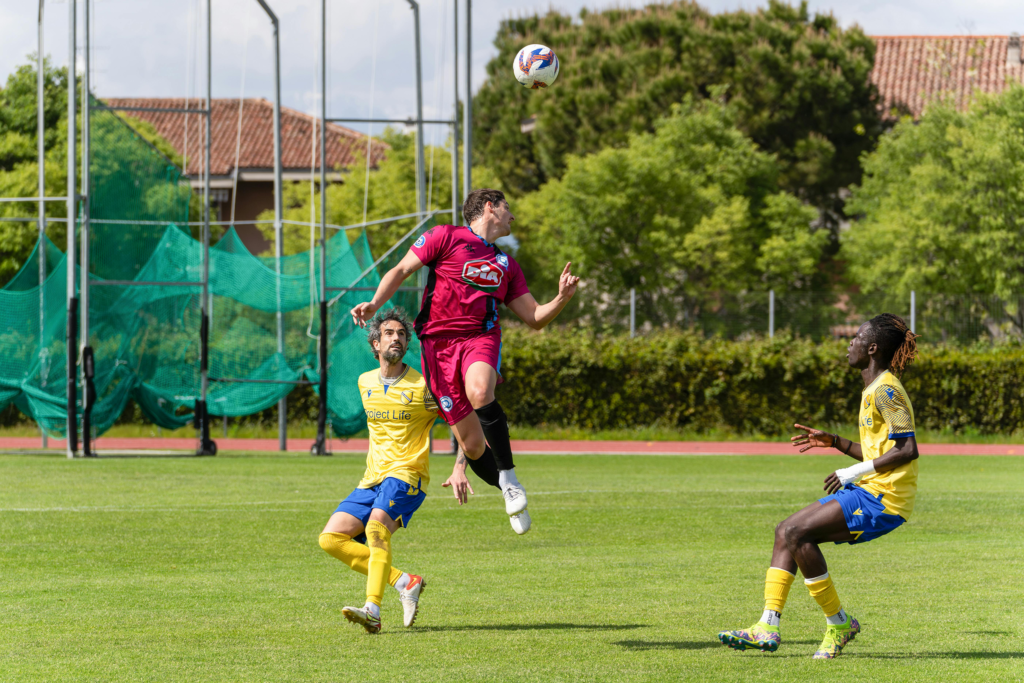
(836, 638)
(760, 636)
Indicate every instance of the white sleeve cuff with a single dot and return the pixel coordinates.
(854, 472)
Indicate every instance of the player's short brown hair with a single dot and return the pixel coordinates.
(474, 205)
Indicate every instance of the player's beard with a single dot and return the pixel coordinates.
(394, 355)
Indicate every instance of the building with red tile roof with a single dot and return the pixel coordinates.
(255, 150)
(913, 71)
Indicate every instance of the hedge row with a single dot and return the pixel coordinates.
(570, 378)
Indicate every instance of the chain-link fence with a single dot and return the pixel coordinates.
(945, 318)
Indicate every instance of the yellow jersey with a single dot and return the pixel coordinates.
(399, 418)
(886, 415)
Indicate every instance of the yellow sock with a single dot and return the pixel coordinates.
(355, 555)
(379, 539)
(824, 593)
(776, 588)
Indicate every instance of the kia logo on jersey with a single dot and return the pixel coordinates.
(482, 274)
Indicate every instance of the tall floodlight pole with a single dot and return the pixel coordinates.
(421, 192)
(206, 445)
(320, 447)
(282, 404)
(41, 171)
(455, 112)
(467, 108)
(88, 390)
(72, 336)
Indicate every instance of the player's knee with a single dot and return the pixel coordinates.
(479, 395)
(791, 533)
(328, 541)
(473, 446)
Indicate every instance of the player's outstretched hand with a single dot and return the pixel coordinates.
(361, 313)
(833, 483)
(812, 438)
(567, 282)
(460, 486)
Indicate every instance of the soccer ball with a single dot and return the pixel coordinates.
(536, 66)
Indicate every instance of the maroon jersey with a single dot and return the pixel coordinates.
(468, 278)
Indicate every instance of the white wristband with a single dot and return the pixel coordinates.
(850, 474)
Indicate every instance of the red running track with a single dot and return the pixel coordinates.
(518, 446)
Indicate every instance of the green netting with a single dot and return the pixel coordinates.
(146, 337)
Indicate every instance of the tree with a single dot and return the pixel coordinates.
(18, 162)
(799, 87)
(687, 215)
(942, 205)
(18, 168)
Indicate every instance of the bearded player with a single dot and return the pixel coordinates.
(469, 275)
(399, 414)
(851, 512)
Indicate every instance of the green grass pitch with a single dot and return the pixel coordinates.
(209, 570)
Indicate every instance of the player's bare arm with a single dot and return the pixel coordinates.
(389, 284)
(458, 482)
(539, 316)
(815, 438)
(903, 451)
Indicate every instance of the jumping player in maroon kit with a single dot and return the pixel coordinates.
(461, 340)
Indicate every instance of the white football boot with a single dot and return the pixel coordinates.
(515, 498)
(410, 598)
(521, 522)
(364, 617)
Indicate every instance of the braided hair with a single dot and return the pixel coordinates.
(896, 342)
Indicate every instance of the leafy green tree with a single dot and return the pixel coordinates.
(799, 87)
(18, 164)
(686, 215)
(942, 206)
(18, 168)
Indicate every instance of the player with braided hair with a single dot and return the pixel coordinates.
(851, 512)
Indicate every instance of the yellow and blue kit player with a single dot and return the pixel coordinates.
(881, 501)
(399, 414)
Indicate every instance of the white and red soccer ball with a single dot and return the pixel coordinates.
(536, 66)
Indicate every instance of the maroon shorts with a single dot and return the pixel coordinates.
(445, 361)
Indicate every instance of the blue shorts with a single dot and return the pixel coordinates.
(398, 499)
(865, 515)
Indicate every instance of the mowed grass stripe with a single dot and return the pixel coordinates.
(186, 570)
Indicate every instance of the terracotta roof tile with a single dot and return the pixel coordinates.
(913, 71)
(257, 143)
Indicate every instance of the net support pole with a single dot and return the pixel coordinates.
(771, 313)
(632, 312)
(88, 370)
(421, 191)
(455, 114)
(913, 310)
(41, 178)
(320, 445)
(282, 404)
(206, 446)
(467, 108)
(72, 321)
(421, 188)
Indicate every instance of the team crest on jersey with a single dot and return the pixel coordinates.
(867, 401)
(446, 403)
(420, 241)
(502, 259)
(406, 397)
(368, 392)
(482, 275)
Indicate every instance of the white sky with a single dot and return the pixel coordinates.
(145, 47)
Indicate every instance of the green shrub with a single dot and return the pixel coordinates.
(679, 379)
